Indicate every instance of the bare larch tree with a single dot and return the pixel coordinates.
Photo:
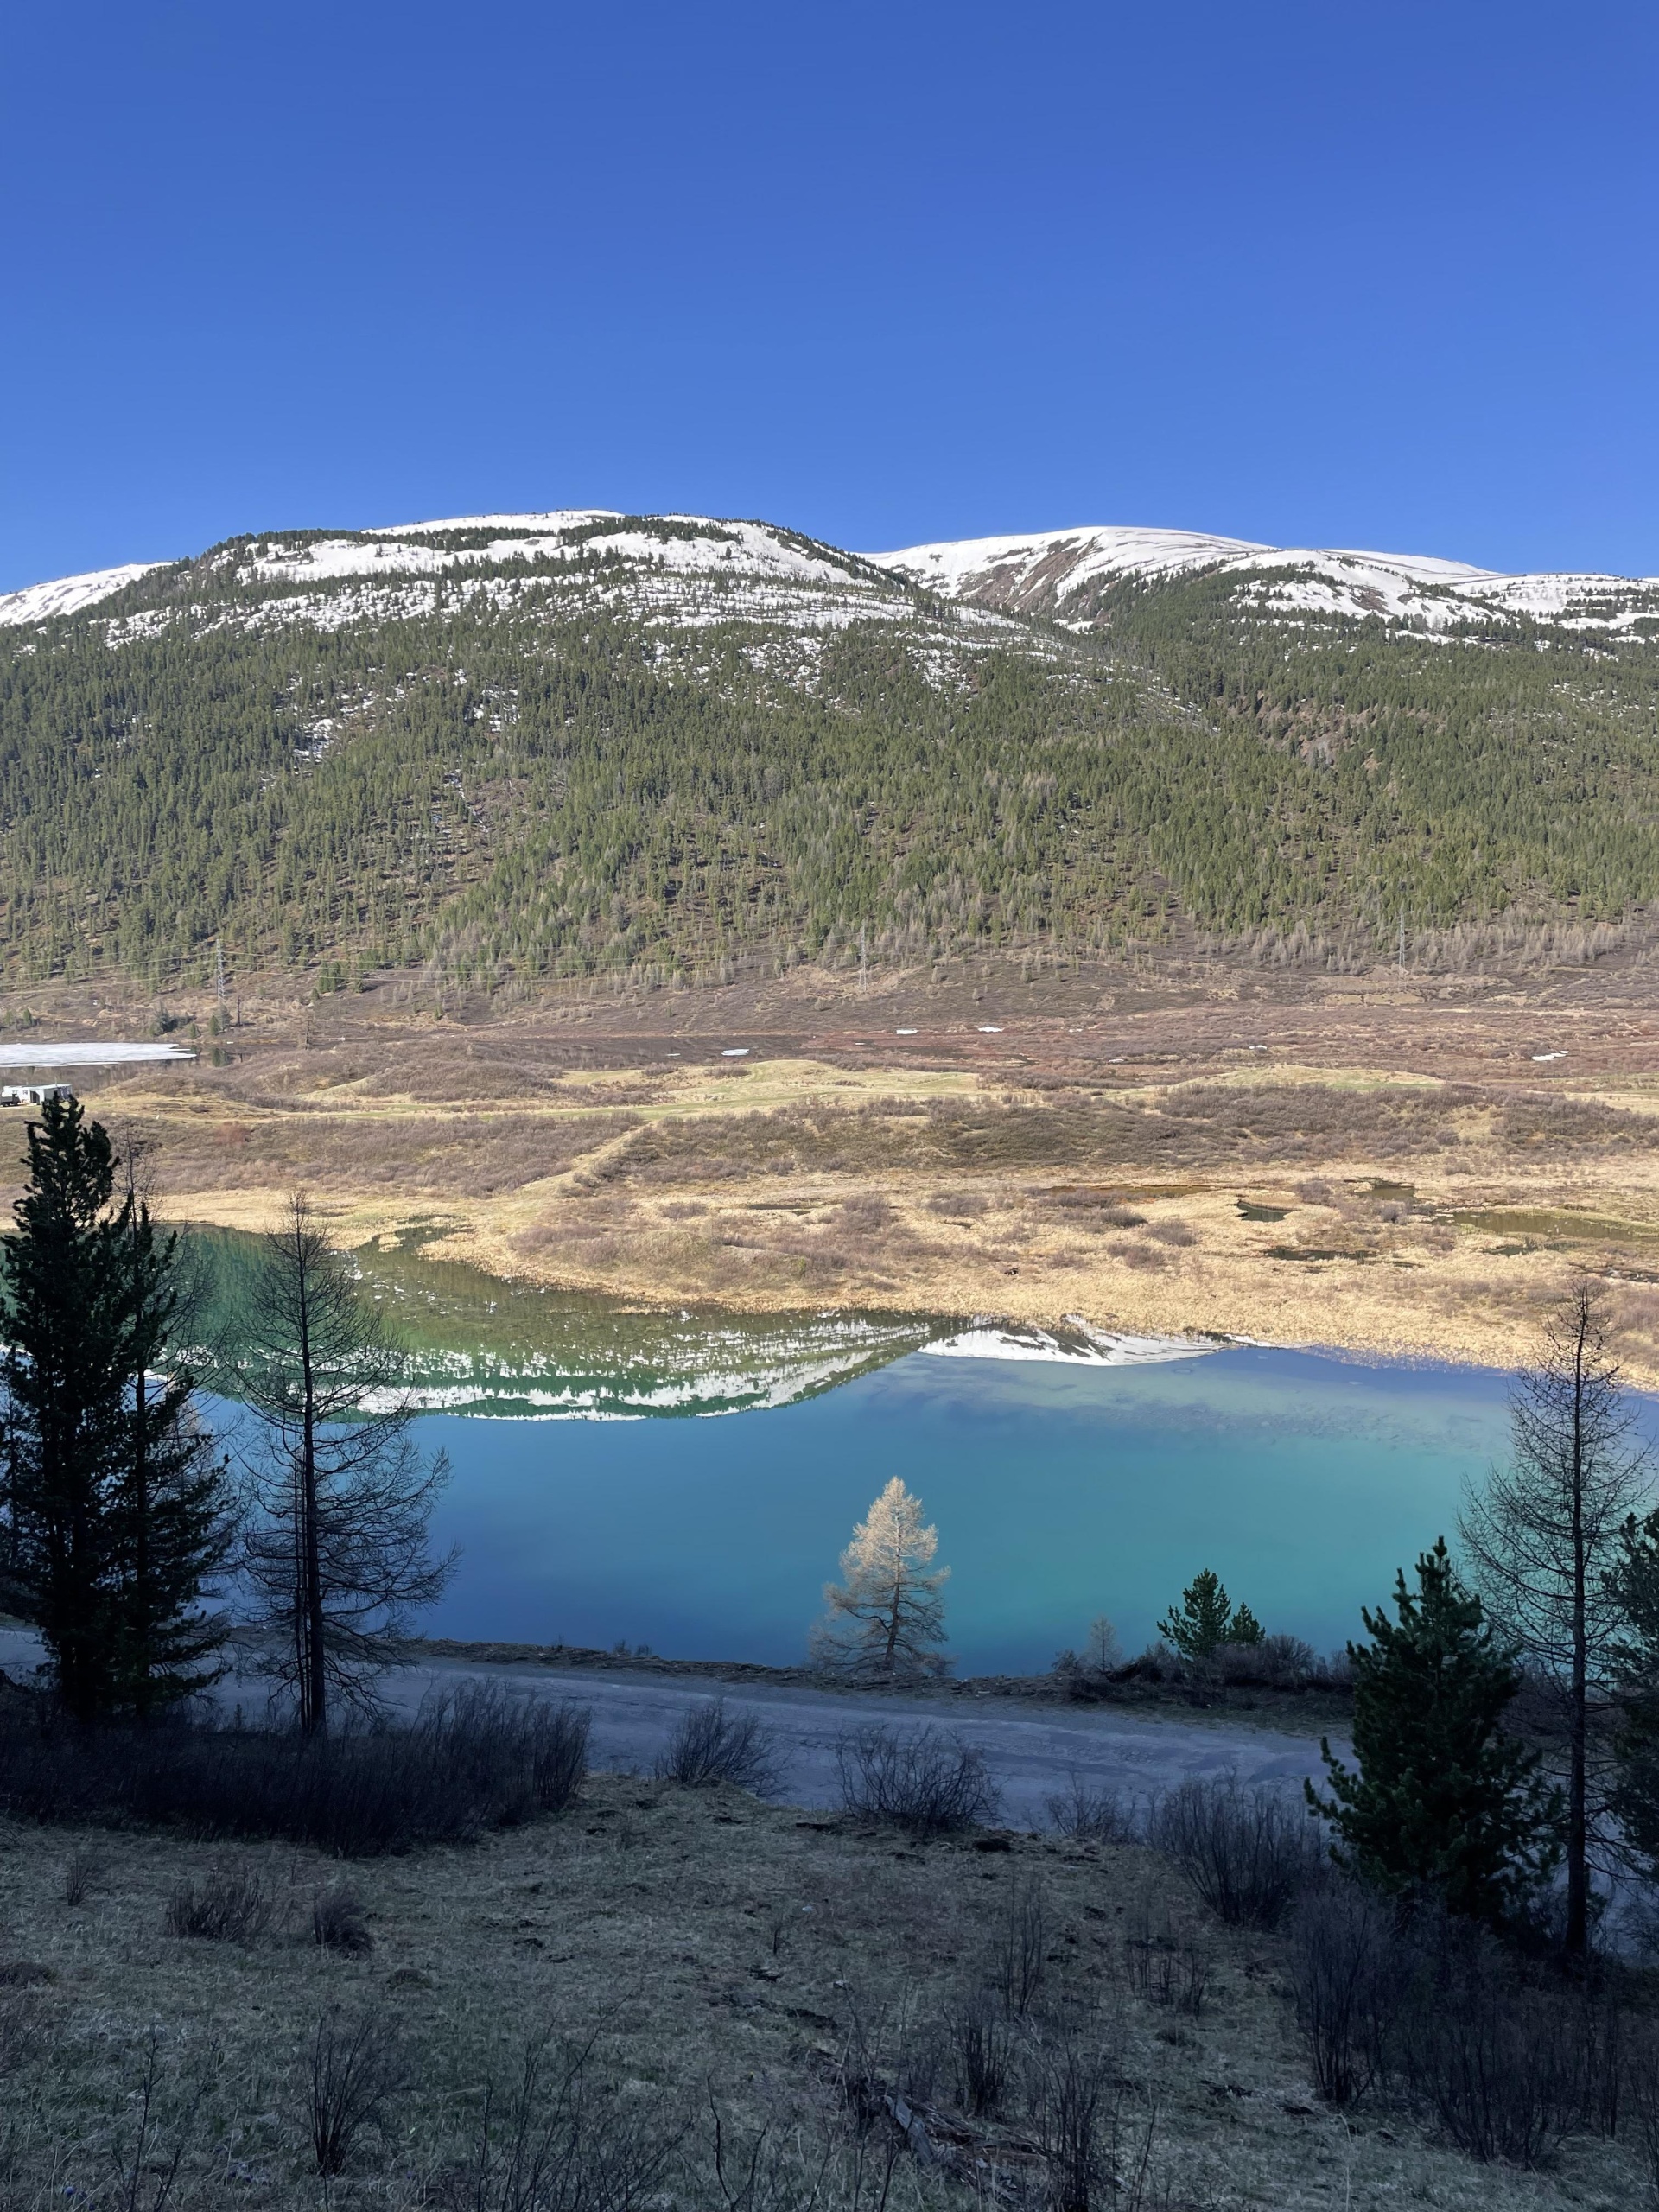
(1543, 1536)
(336, 1547)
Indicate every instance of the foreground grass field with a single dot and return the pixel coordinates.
(742, 1974)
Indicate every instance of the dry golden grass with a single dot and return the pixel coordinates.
(1321, 1194)
(704, 1939)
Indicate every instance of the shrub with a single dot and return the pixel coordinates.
(551, 2141)
(1248, 1853)
(337, 1921)
(230, 1906)
(474, 1759)
(1168, 1969)
(1092, 1816)
(1351, 1971)
(81, 1869)
(1072, 2088)
(1022, 1947)
(982, 2049)
(924, 1780)
(1504, 2066)
(707, 1746)
(357, 2067)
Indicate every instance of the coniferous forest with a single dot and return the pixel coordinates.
(538, 767)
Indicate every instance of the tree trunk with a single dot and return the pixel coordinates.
(314, 1680)
(1578, 1876)
(142, 1610)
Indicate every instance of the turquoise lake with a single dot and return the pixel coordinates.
(1060, 1493)
(687, 1479)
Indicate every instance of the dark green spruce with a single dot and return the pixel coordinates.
(114, 1508)
(1444, 1806)
(1206, 1618)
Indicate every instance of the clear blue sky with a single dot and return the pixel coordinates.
(1310, 273)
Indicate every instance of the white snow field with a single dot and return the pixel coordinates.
(1050, 572)
(49, 1055)
(40, 602)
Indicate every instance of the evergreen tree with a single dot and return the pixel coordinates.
(886, 1617)
(1207, 1618)
(168, 1504)
(1443, 1804)
(65, 1422)
(1632, 1583)
(115, 1503)
(336, 1551)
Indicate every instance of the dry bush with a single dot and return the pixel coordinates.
(1504, 2065)
(230, 1906)
(921, 1780)
(683, 1210)
(1092, 1815)
(1351, 1973)
(477, 1759)
(1073, 2090)
(707, 1745)
(1176, 1233)
(337, 1923)
(1249, 1853)
(958, 1205)
(82, 1871)
(1167, 1969)
(1141, 1256)
(358, 2068)
(549, 2139)
(1022, 1948)
(981, 2041)
(866, 1215)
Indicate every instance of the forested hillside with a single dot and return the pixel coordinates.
(569, 745)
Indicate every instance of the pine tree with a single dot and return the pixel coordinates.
(887, 1616)
(65, 1419)
(1207, 1618)
(336, 1550)
(115, 1500)
(1443, 1804)
(168, 1504)
(1633, 1584)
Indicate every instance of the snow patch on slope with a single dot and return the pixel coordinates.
(68, 595)
(696, 546)
(1051, 573)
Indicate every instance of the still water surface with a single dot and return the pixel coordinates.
(591, 1505)
(1060, 1493)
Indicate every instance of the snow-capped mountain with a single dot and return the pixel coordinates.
(687, 571)
(1063, 575)
(692, 570)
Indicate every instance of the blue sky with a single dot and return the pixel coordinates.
(1313, 274)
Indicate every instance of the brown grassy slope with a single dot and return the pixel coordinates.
(1386, 1168)
(704, 1940)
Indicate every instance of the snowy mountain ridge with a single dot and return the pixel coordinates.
(1062, 575)
(693, 569)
